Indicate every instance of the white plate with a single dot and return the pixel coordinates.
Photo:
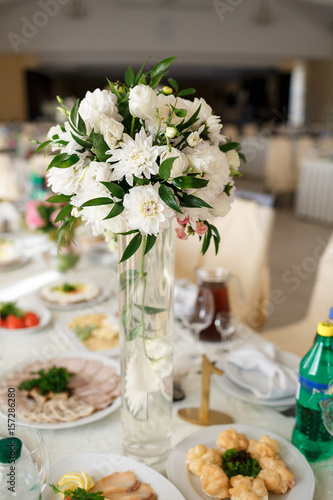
(255, 378)
(99, 465)
(189, 484)
(104, 294)
(239, 392)
(35, 307)
(19, 261)
(81, 421)
(75, 340)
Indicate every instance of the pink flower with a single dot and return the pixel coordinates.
(184, 221)
(180, 233)
(201, 228)
(33, 218)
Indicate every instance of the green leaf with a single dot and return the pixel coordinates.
(116, 210)
(74, 112)
(242, 157)
(227, 188)
(116, 190)
(169, 198)
(215, 231)
(166, 166)
(63, 212)
(185, 182)
(150, 310)
(135, 332)
(62, 160)
(129, 232)
(97, 201)
(43, 146)
(228, 146)
(126, 315)
(59, 198)
(129, 278)
(187, 92)
(161, 66)
(81, 125)
(141, 182)
(101, 147)
(181, 113)
(114, 90)
(81, 142)
(153, 84)
(150, 242)
(189, 200)
(132, 247)
(139, 73)
(206, 241)
(173, 84)
(129, 77)
(190, 121)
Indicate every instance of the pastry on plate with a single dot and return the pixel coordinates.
(214, 482)
(265, 447)
(276, 476)
(199, 456)
(230, 439)
(247, 488)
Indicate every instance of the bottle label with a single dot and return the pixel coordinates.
(311, 393)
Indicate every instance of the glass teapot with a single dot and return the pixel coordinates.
(216, 279)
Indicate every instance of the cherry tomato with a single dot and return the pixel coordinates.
(3, 322)
(13, 322)
(30, 319)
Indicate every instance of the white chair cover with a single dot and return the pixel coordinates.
(280, 170)
(8, 185)
(298, 337)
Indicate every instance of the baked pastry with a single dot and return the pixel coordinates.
(199, 456)
(247, 488)
(265, 447)
(214, 482)
(276, 476)
(230, 439)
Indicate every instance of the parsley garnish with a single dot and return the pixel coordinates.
(240, 462)
(54, 380)
(10, 309)
(79, 494)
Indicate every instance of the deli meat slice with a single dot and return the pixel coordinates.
(144, 492)
(118, 482)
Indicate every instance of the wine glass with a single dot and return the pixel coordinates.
(200, 314)
(324, 473)
(33, 451)
(225, 324)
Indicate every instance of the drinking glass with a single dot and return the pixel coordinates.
(200, 314)
(33, 450)
(225, 324)
(324, 473)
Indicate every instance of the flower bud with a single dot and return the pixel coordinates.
(167, 90)
(171, 132)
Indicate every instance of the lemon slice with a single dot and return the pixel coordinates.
(89, 482)
(74, 477)
(73, 480)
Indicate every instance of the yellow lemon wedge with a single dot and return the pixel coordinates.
(89, 482)
(73, 480)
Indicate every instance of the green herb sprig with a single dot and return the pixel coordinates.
(10, 309)
(240, 462)
(54, 380)
(79, 494)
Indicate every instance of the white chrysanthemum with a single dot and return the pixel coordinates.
(214, 128)
(135, 157)
(142, 102)
(179, 166)
(94, 174)
(102, 101)
(233, 159)
(66, 180)
(161, 116)
(145, 210)
(140, 380)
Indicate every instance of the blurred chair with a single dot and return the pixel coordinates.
(245, 234)
(326, 144)
(280, 171)
(298, 337)
(9, 190)
(230, 130)
(250, 130)
(304, 145)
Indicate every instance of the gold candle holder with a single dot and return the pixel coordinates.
(203, 415)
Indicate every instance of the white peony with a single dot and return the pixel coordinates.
(111, 129)
(145, 210)
(142, 102)
(65, 182)
(93, 175)
(201, 158)
(233, 159)
(222, 204)
(102, 101)
(161, 116)
(135, 157)
(214, 128)
(179, 166)
(54, 131)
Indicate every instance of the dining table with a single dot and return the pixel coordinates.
(104, 435)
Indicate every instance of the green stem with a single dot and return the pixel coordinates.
(144, 241)
(132, 126)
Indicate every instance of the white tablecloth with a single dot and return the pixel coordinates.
(105, 435)
(314, 190)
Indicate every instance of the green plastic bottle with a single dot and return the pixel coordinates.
(315, 380)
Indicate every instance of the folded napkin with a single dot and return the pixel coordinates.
(265, 370)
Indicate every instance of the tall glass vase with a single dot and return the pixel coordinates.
(146, 348)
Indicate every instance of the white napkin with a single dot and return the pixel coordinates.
(265, 370)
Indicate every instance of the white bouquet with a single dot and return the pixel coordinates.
(132, 158)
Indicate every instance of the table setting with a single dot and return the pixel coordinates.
(105, 411)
